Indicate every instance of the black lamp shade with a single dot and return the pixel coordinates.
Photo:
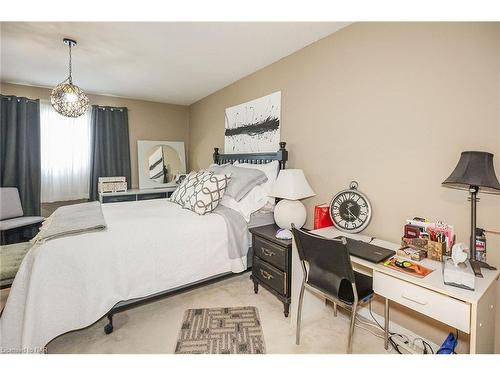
(475, 168)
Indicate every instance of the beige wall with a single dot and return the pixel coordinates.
(390, 105)
(147, 120)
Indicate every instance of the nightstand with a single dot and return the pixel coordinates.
(272, 263)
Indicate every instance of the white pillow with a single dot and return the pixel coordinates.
(255, 199)
(270, 169)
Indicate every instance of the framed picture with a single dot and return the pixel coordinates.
(253, 126)
(160, 162)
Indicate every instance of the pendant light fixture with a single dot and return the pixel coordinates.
(67, 99)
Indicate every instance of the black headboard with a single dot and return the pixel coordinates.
(257, 158)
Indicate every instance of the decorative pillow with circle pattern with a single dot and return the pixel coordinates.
(182, 194)
(208, 193)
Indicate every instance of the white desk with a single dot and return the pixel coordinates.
(472, 312)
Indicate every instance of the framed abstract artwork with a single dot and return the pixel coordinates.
(253, 126)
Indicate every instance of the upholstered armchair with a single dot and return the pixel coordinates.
(13, 224)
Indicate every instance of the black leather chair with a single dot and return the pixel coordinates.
(327, 270)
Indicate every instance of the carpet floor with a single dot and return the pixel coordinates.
(154, 328)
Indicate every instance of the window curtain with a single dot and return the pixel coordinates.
(110, 150)
(65, 150)
(20, 150)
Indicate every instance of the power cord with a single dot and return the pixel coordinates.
(363, 321)
(360, 322)
(427, 346)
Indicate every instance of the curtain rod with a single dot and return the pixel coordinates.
(104, 107)
(10, 97)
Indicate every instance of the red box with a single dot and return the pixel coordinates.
(322, 216)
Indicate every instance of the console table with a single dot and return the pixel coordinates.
(137, 195)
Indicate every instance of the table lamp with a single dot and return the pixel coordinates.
(474, 172)
(291, 185)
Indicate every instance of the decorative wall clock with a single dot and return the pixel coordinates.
(350, 209)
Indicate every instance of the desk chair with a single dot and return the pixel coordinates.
(327, 270)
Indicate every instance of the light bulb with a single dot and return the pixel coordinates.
(70, 97)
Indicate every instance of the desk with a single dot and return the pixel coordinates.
(472, 312)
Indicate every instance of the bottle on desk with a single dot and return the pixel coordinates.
(480, 245)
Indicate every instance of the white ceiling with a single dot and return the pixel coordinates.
(170, 62)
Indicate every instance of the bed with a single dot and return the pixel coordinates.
(71, 282)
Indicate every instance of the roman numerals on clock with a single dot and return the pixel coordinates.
(350, 210)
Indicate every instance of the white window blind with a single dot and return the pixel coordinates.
(65, 155)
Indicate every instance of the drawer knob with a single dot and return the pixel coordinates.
(267, 252)
(414, 300)
(266, 275)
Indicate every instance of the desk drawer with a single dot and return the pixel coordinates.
(270, 252)
(436, 305)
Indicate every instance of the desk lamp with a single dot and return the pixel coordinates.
(474, 172)
(291, 185)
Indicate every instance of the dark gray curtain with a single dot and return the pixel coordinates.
(110, 153)
(20, 150)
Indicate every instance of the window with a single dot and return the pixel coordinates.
(65, 155)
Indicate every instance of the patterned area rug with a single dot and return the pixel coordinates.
(226, 330)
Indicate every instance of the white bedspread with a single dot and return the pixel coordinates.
(69, 283)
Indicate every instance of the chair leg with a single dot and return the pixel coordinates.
(351, 328)
(299, 314)
(386, 324)
(334, 309)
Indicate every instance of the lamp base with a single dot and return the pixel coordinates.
(287, 212)
(477, 265)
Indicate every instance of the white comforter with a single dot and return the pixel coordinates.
(69, 283)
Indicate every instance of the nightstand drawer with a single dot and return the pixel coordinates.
(270, 252)
(118, 198)
(436, 305)
(270, 275)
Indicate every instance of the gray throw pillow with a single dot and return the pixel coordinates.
(242, 179)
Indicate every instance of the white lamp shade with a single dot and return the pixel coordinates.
(291, 184)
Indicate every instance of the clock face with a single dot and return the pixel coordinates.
(350, 211)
